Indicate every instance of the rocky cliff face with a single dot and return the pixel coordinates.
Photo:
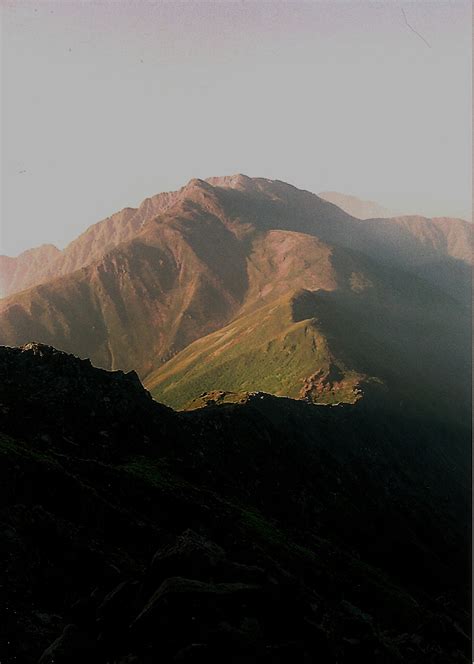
(261, 529)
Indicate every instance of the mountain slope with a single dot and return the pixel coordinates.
(17, 274)
(326, 344)
(130, 307)
(271, 531)
(265, 351)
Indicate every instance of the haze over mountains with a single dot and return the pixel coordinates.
(266, 269)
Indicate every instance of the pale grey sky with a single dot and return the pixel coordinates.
(105, 103)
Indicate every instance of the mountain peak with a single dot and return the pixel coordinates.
(196, 182)
(237, 181)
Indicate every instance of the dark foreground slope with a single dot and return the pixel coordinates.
(266, 531)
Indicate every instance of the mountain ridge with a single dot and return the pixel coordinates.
(119, 227)
(96, 240)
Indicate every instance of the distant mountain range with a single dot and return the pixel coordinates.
(357, 207)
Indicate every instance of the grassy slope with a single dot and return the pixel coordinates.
(263, 351)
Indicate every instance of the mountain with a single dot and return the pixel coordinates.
(224, 255)
(162, 289)
(41, 264)
(267, 530)
(356, 207)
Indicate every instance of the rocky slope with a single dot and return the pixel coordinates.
(269, 530)
(36, 266)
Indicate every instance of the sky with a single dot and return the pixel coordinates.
(106, 103)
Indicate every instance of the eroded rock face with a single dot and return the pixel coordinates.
(332, 384)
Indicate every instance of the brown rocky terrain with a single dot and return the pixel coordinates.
(35, 266)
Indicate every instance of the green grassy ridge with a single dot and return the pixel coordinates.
(265, 351)
(156, 474)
